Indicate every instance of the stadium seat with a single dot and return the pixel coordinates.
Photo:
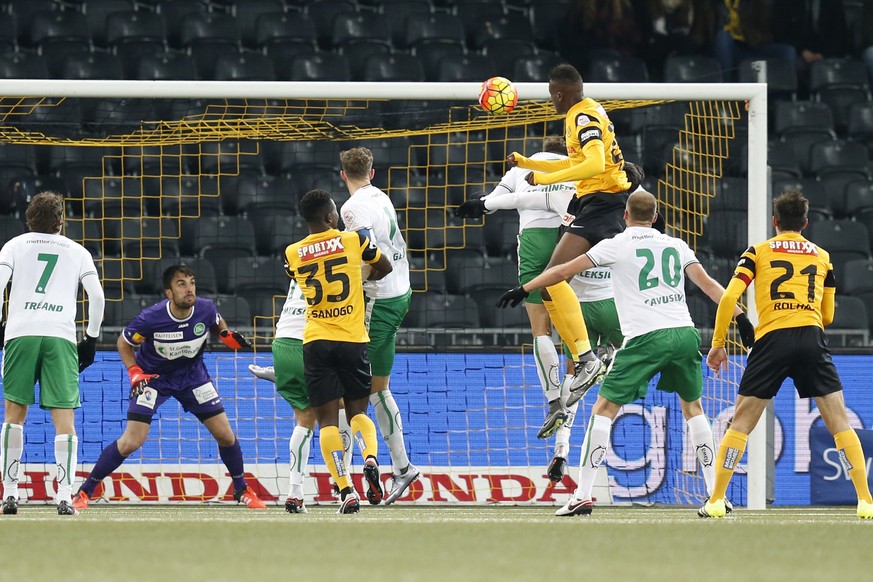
(856, 277)
(288, 156)
(841, 236)
(546, 19)
(353, 26)
(97, 13)
(23, 66)
(306, 179)
(431, 54)
(121, 313)
(92, 66)
(732, 194)
(840, 83)
(87, 232)
(117, 277)
(227, 157)
(272, 28)
(782, 159)
(859, 197)
(174, 16)
(692, 69)
(443, 311)
(149, 238)
(781, 77)
(617, 70)
(123, 27)
(235, 310)
(24, 13)
(850, 315)
(811, 189)
(395, 13)
(57, 26)
(318, 67)
(357, 52)
(10, 227)
(491, 316)
(244, 67)
(252, 277)
(427, 280)
(436, 27)
(470, 67)
(838, 156)
(725, 232)
(508, 26)
(395, 67)
(247, 14)
(256, 193)
(276, 229)
(221, 232)
(167, 66)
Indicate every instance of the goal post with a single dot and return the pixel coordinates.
(268, 112)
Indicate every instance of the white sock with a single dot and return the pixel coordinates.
(564, 388)
(66, 460)
(562, 436)
(546, 360)
(301, 440)
(388, 418)
(700, 432)
(593, 452)
(11, 447)
(348, 442)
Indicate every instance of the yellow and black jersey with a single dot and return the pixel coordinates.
(793, 277)
(327, 266)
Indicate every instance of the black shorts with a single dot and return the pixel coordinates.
(335, 370)
(598, 216)
(799, 353)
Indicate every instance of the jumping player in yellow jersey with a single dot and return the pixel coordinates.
(327, 266)
(794, 296)
(596, 165)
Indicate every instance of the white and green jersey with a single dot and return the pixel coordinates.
(46, 270)
(593, 285)
(541, 206)
(370, 209)
(648, 272)
(293, 316)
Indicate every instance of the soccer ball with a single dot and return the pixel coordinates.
(497, 96)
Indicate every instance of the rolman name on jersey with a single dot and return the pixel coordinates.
(323, 248)
(331, 312)
(784, 305)
(672, 298)
(42, 306)
(794, 247)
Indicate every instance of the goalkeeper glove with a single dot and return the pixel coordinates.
(233, 339)
(471, 209)
(139, 380)
(87, 349)
(512, 297)
(746, 329)
(635, 175)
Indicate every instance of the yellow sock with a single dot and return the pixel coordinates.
(332, 451)
(853, 458)
(364, 433)
(566, 315)
(730, 451)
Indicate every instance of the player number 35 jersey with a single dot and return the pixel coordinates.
(327, 266)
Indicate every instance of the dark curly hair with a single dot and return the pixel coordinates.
(314, 205)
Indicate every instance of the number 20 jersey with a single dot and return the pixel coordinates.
(327, 266)
(791, 277)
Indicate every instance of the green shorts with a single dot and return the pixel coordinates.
(535, 248)
(288, 363)
(675, 353)
(51, 361)
(601, 321)
(385, 319)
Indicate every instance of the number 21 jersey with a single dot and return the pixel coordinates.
(327, 266)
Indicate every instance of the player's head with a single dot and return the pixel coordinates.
(45, 213)
(641, 208)
(357, 164)
(565, 87)
(789, 211)
(180, 286)
(319, 210)
(555, 144)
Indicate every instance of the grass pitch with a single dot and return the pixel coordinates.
(219, 543)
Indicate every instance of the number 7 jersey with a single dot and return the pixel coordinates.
(327, 266)
(791, 277)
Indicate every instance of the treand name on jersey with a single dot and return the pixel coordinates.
(42, 306)
(322, 248)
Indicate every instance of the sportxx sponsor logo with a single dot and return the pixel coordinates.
(794, 247)
(322, 248)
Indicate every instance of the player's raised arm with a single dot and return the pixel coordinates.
(371, 255)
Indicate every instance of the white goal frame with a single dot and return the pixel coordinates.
(755, 94)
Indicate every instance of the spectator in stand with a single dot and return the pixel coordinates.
(817, 29)
(675, 27)
(600, 26)
(746, 34)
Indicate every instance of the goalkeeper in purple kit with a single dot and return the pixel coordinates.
(171, 336)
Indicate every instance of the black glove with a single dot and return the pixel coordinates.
(512, 297)
(747, 330)
(471, 209)
(87, 349)
(635, 175)
(2, 333)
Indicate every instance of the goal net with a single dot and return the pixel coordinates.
(209, 174)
